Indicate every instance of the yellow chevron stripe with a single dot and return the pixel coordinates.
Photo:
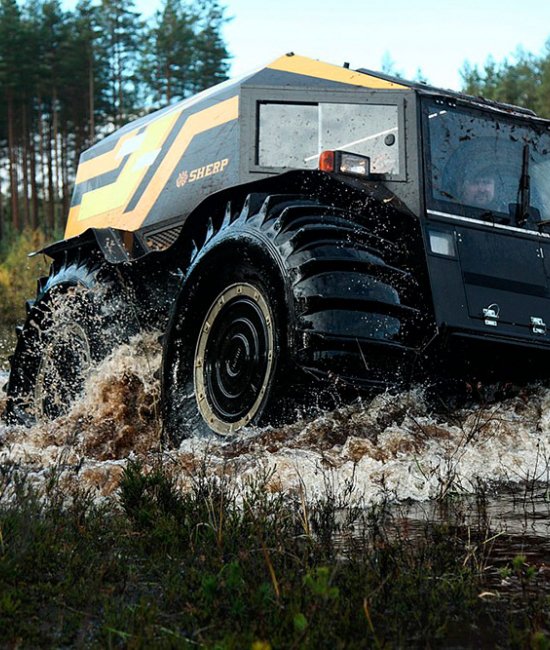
(105, 206)
(110, 200)
(104, 163)
(209, 118)
(311, 68)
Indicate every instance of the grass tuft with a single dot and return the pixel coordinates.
(169, 569)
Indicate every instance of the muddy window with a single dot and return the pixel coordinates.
(293, 135)
(288, 135)
(477, 163)
(368, 130)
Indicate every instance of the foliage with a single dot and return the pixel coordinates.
(69, 77)
(185, 53)
(18, 273)
(176, 570)
(523, 81)
(120, 30)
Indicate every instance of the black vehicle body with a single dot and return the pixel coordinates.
(432, 279)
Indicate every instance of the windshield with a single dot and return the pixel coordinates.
(477, 163)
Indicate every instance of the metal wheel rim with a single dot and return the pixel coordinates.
(230, 351)
(73, 341)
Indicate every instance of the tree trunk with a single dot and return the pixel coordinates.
(42, 157)
(1, 209)
(168, 84)
(34, 189)
(120, 109)
(25, 161)
(91, 92)
(56, 159)
(64, 174)
(13, 166)
(51, 193)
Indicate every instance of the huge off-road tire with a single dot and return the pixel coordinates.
(79, 315)
(225, 363)
(285, 286)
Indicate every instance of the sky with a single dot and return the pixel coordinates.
(435, 36)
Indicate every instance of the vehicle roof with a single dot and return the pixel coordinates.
(294, 70)
(291, 71)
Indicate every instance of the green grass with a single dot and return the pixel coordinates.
(165, 569)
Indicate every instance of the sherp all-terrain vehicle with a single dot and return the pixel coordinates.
(303, 222)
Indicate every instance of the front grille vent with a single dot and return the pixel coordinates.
(162, 240)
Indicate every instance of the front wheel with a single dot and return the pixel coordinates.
(221, 372)
(234, 357)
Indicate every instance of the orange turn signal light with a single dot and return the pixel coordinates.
(344, 162)
(326, 161)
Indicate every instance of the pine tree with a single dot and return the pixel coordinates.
(185, 51)
(512, 83)
(120, 40)
(211, 58)
(169, 53)
(67, 78)
(11, 42)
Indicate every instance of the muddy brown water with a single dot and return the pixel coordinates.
(493, 460)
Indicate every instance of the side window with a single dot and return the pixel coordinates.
(540, 191)
(293, 135)
(475, 162)
(288, 135)
(364, 129)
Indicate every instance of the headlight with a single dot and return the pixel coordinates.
(344, 162)
(442, 243)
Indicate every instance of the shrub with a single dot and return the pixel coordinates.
(18, 273)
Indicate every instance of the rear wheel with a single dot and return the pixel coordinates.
(64, 364)
(234, 357)
(79, 316)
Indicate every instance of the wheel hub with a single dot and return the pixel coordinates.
(234, 358)
(238, 356)
(64, 365)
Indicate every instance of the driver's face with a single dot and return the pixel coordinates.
(479, 191)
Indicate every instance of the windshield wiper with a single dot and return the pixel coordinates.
(523, 210)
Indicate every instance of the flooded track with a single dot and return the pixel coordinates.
(482, 472)
(391, 447)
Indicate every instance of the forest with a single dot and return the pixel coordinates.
(70, 77)
(404, 519)
(67, 78)
(523, 80)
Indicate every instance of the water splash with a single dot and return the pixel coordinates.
(393, 446)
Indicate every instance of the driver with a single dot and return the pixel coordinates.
(478, 188)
